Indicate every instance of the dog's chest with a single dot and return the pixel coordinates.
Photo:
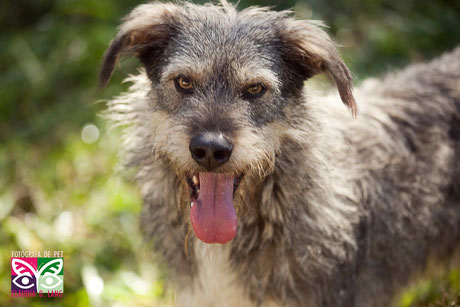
(216, 284)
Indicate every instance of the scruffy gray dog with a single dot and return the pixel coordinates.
(316, 207)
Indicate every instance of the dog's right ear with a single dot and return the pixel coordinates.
(146, 30)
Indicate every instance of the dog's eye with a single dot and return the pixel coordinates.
(254, 91)
(183, 84)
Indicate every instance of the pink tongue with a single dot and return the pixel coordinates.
(213, 215)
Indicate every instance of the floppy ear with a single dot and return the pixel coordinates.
(312, 49)
(144, 33)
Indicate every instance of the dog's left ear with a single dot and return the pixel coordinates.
(313, 51)
(144, 33)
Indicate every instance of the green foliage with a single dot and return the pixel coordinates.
(58, 193)
(380, 35)
(442, 290)
(70, 199)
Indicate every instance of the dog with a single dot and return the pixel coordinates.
(260, 191)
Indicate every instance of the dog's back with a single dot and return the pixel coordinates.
(404, 159)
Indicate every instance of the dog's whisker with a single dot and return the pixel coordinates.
(186, 242)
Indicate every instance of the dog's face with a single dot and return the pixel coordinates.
(222, 86)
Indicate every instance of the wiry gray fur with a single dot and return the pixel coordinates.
(333, 210)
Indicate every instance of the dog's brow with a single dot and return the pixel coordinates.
(196, 71)
(250, 75)
(245, 76)
(190, 72)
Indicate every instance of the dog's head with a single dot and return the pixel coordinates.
(223, 86)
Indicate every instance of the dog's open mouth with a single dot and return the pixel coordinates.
(212, 212)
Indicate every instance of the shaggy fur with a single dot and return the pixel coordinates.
(332, 210)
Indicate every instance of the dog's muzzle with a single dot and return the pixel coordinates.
(212, 213)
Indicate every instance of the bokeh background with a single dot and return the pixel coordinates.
(59, 186)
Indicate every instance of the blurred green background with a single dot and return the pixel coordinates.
(59, 188)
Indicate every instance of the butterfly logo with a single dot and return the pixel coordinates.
(30, 278)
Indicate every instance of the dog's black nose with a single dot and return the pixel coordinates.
(210, 150)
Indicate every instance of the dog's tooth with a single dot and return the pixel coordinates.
(195, 179)
(191, 204)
